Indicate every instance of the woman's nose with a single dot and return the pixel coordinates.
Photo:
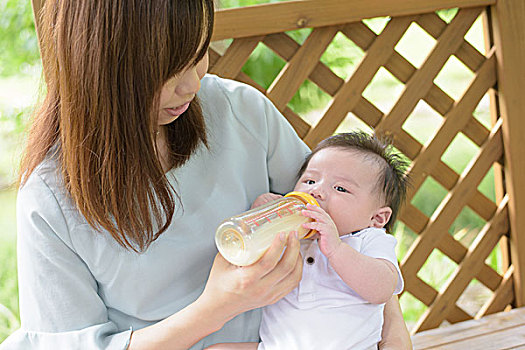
(190, 82)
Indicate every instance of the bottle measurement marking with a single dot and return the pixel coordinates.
(277, 211)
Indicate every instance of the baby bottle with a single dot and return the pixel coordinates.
(243, 239)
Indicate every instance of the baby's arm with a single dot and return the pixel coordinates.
(233, 346)
(373, 279)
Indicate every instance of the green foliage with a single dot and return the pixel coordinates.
(18, 39)
(240, 3)
(447, 14)
(340, 56)
(264, 65)
(12, 127)
(13, 123)
(9, 313)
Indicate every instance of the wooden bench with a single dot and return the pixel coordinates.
(503, 330)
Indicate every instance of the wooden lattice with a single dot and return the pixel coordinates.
(267, 24)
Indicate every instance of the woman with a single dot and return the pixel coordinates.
(128, 172)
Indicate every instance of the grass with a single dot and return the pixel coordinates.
(9, 313)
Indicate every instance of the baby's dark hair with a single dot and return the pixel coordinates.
(392, 181)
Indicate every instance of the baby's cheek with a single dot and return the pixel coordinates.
(299, 187)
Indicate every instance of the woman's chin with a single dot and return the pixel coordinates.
(166, 120)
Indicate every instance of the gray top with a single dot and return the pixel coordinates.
(80, 289)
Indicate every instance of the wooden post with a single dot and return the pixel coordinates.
(499, 179)
(509, 38)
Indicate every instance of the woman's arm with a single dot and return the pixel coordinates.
(230, 291)
(233, 346)
(395, 333)
(60, 304)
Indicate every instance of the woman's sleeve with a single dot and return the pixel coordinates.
(265, 125)
(286, 151)
(59, 304)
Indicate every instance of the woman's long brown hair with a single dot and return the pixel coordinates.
(105, 63)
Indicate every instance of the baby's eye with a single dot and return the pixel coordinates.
(340, 189)
(309, 182)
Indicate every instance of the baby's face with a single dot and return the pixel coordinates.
(343, 183)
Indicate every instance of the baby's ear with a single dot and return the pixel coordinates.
(381, 217)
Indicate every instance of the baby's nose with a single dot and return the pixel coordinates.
(316, 193)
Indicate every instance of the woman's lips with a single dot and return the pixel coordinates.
(175, 112)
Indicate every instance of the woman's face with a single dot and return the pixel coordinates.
(178, 92)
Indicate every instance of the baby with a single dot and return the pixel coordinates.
(350, 267)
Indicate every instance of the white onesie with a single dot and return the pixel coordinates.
(323, 312)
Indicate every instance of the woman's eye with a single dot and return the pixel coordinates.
(340, 189)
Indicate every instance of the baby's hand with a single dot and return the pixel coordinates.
(265, 198)
(327, 236)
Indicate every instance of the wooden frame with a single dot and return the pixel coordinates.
(499, 73)
(509, 40)
(264, 19)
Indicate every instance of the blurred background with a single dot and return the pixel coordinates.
(20, 72)
(20, 91)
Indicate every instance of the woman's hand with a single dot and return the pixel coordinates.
(232, 290)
